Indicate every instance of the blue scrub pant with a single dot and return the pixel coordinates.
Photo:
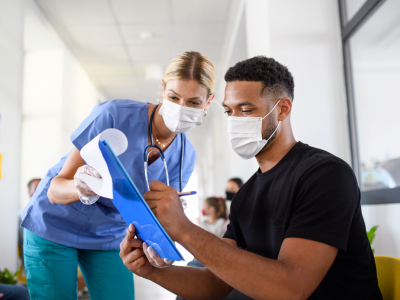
(51, 271)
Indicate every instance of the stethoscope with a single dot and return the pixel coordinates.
(161, 153)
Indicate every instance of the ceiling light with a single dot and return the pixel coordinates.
(153, 73)
(146, 35)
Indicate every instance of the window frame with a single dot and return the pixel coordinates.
(348, 28)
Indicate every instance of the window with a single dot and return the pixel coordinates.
(371, 49)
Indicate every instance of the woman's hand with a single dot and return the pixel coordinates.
(86, 195)
(132, 254)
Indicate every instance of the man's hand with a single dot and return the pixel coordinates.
(167, 207)
(132, 254)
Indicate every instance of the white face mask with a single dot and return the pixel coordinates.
(245, 135)
(180, 118)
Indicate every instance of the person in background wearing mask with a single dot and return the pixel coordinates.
(214, 211)
(62, 232)
(232, 187)
(296, 228)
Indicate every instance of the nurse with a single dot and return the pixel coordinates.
(61, 232)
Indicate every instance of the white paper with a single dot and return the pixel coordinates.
(92, 155)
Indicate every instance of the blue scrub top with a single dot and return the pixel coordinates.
(100, 226)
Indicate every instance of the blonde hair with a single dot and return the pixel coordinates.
(192, 65)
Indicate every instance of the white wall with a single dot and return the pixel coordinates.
(58, 95)
(11, 60)
(386, 216)
(305, 36)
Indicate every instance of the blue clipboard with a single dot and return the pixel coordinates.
(134, 208)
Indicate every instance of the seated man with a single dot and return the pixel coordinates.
(296, 230)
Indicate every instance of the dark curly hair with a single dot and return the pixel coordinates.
(276, 77)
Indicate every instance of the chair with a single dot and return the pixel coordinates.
(388, 271)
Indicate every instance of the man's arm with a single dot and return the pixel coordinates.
(187, 282)
(300, 267)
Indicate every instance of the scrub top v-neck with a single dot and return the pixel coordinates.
(100, 226)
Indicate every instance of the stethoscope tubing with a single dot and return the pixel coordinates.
(161, 153)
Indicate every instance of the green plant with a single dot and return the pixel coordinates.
(8, 278)
(371, 236)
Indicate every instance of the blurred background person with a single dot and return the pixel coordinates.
(32, 185)
(232, 187)
(214, 212)
(13, 292)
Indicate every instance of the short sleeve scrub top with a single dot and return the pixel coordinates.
(99, 226)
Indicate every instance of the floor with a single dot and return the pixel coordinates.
(147, 290)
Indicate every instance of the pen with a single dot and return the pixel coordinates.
(187, 193)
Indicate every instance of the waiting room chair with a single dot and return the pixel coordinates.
(388, 270)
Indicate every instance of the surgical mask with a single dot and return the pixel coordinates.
(180, 118)
(245, 134)
(229, 195)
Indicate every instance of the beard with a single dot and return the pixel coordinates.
(267, 133)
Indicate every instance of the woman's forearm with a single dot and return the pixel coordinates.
(62, 191)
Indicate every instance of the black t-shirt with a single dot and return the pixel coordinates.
(314, 195)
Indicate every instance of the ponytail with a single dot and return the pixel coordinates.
(219, 205)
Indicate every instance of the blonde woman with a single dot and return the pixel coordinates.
(62, 232)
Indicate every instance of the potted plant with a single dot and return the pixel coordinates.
(7, 278)
(371, 236)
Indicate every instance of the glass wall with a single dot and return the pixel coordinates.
(375, 63)
(352, 7)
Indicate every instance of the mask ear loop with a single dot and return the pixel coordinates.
(279, 123)
(272, 109)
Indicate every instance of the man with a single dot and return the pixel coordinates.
(296, 229)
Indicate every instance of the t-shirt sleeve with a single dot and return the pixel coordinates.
(233, 230)
(326, 201)
(101, 118)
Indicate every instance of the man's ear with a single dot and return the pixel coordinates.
(285, 107)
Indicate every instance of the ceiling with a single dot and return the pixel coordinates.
(105, 36)
(377, 42)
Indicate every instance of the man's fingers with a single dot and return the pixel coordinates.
(153, 204)
(133, 256)
(158, 186)
(128, 242)
(152, 195)
(130, 232)
(134, 243)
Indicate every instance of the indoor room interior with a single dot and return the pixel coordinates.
(59, 59)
